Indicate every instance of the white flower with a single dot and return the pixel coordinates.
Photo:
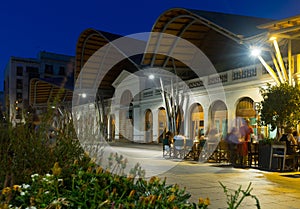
(60, 180)
(48, 175)
(47, 192)
(22, 193)
(25, 186)
(34, 175)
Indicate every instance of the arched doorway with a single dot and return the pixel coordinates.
(245, 109)
(162, 123)
(126, 116)
(148, 126)
(197, 120)
(218, 117)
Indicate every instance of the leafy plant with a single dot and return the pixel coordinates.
(91, 186)
(235, 199)
(280, 106)
(25, 150)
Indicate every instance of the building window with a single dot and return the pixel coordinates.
(33, 70)
(19, 83)
(19, 71)
(62, 70)
(19, 97)
(49, 69)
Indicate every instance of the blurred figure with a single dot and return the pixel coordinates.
(290, 141)
(246, 131)
(233, 140)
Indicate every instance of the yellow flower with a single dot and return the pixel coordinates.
(207, 201)
(6, 190)
(159, 197)
(131, 193)
(16, 187)
(171, 198)
(4, 206)
(152, 199)
(56, 170)
(201, 201)
(89, 170)
(174, 188)
(99, 170)
(154, 179)
(32, 201)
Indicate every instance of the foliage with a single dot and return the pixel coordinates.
(234, 200)
(91, 186)
(280, 106)
(25, 150)
(267, 141)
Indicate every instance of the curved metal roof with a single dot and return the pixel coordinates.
(44, 93)
(223, 38)
(89, 42)
(218, 35)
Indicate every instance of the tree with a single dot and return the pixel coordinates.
(173, 100)
(280, 107)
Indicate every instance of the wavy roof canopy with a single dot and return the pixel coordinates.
(223, 38)
(44, 93)
(217, 35)
(88, 45)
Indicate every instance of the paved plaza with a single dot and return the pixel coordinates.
(276, 190)
(273, 189)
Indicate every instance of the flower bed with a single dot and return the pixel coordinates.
(86, 185)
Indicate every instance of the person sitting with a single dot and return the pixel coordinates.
(290, 141)
(167, 143)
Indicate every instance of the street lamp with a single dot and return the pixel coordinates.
(256, 51)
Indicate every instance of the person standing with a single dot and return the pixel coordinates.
(246, 131)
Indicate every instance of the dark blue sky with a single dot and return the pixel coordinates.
(28, 27)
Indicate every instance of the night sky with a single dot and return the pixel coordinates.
(28, 27)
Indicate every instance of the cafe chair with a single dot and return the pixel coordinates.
(189, 149)
(222, 152)
(167, 149)
(179, 148)
(278, 151)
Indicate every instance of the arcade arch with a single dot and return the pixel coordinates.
(218, 117)
(148, 126)
(196, 120)
(245, 109)
(126, 116)
(162, 123)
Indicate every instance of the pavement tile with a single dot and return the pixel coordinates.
(202, 180)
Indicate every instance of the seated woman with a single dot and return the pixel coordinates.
(290, 141)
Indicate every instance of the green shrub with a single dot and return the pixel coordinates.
(24, 151)
(87, 185)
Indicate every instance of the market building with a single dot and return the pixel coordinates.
(134, 108)
(137, 113)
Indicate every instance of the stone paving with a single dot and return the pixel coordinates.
(273, 189)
